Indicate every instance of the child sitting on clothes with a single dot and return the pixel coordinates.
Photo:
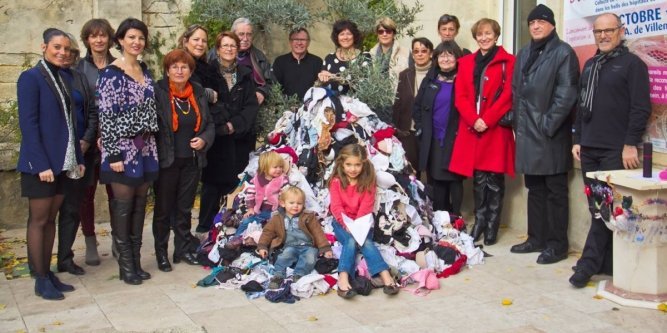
(298, 232)
(262, 194)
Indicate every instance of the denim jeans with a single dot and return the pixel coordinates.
(348, 254)
(303, 255)
(260, 217)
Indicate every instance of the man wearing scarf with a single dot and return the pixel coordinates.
(544, 87)
(613, 108)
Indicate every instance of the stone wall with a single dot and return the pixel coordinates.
(22, 23)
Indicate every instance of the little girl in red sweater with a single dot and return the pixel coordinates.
(352, 191)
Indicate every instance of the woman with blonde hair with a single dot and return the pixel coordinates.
(483, 148)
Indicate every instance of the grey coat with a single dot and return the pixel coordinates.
(543, 102)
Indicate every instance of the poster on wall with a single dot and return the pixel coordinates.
(645, 24)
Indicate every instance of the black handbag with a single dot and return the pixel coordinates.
(507, 119)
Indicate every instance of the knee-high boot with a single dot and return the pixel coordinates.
(481, 206)
(496, 193)
(121, 220)
(137, 233)
(161, 236)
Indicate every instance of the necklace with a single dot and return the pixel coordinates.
(178, 103)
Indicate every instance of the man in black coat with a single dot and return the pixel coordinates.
(544, 86)
(612, 112)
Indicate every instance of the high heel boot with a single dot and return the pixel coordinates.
(496, 192)
(481, 206)
(137, 233)
(120, 228)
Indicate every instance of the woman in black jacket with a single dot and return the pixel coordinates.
(186, 132)
(437, 121)
(76, 191)
(194, 40)
(234, 115)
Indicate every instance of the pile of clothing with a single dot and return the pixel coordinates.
(410, 235)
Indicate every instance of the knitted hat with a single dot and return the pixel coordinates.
(542, 12)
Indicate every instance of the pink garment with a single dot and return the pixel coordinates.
(257, 193)
(426, 280)
(349, 202)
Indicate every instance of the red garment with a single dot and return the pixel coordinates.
(349, 202)
(493, 149)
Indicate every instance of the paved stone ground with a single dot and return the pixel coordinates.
(542, 301)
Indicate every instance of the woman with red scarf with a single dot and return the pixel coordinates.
(186, 132)
(483, 148)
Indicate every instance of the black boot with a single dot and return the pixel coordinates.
(161, 236)
(481, 206)
(185, 243)
(496, 192)
(120, 228)
(137, 233)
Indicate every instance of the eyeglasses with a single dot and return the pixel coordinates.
(446, 56)
(385, 32)
(422, 51)
(299, 40)
(244, 34)
(179, 68)
(599, 32)
(228, 46)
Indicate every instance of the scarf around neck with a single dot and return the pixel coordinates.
(481, 61)
(188, 93)
(536, 48)
(229, 74)
(70, 152)
(590, 78)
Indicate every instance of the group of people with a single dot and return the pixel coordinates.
(458, 114)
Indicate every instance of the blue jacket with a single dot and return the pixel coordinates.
(43, 123)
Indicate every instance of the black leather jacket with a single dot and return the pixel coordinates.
(544, 99)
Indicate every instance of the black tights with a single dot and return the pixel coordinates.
(42, 231)
(128, 193)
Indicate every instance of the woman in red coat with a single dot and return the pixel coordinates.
(483, 149)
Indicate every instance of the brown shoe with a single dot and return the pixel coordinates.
(391, 289)
(346, 294)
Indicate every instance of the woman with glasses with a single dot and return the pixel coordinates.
(234, 115)
(483, 148)
(408, 85)
(448, 29)
(347, 38)
(390, 55)
(186, 132)
(437, 121)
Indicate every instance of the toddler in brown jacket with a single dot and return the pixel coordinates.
(298, 232)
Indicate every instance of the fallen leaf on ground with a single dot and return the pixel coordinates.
(2, 306)
(598, 297)
(57, 323)
(506, 301)
(662, 307)
(312, 318)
